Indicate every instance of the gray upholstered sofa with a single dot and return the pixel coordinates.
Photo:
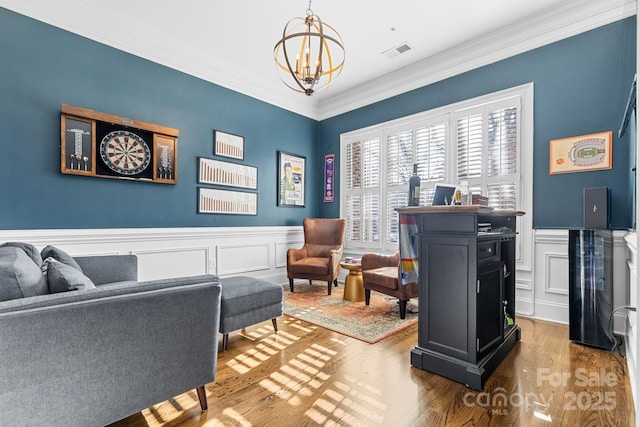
(92, 356)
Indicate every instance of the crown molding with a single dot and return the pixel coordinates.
(560, 23)
(159, 47)
(572, 18)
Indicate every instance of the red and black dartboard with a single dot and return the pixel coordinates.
(124, 152)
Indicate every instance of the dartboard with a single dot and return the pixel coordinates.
(125, 152)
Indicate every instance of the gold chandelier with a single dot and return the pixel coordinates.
(310, 54)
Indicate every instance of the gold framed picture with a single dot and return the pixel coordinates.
(580, 153)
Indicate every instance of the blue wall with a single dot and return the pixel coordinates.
(42, 67)
(581, 86)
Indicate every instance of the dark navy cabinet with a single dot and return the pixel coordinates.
(466, 310)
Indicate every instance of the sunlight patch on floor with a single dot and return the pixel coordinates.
(270, 344)
(231, 417)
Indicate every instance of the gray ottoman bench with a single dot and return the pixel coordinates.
(246, 301)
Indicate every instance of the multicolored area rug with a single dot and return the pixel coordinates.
(370, 323)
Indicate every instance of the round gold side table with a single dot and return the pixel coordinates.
(353, 290)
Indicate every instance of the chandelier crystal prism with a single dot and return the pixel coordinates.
(310, 54)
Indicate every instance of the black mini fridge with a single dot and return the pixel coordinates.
(590, 287)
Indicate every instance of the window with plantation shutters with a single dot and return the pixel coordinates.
(477, 142)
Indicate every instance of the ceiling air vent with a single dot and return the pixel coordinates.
(395, 51)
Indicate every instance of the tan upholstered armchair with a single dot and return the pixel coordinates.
(381, 273)
(319, 258)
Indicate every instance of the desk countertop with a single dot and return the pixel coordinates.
(484, 210)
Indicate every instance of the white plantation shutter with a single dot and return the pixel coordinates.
(502, 157)
(487, 152)
(399, 169)
(502, 142)
(353, 209)
(362, 190)
(502, 196)
(399, 157)
(354, 164)
(430, 152)
(395, 199)
(476, 141)
(370, 218)
(470, 145)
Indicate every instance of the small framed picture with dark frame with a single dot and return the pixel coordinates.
(291, 179)
(228, 145)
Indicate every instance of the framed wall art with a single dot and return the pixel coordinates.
(214, 201)
(225, 173)
(329, 178)
(580, 153)
(291, 179)
(228, 145)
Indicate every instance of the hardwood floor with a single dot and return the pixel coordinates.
(309, 376)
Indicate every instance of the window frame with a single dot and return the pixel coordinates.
(451, 112)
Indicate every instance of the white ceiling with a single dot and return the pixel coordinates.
(231, 42)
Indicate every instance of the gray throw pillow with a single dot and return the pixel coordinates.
(28, 248)
(60, 255)
(63, 277)
(19, 275)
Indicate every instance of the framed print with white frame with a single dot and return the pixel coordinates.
(217, 172)
(214, 201)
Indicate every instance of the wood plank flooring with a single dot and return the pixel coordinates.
(308, 376)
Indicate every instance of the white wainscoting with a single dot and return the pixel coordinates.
(174, 252)
(542, 293)
(631, 326)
